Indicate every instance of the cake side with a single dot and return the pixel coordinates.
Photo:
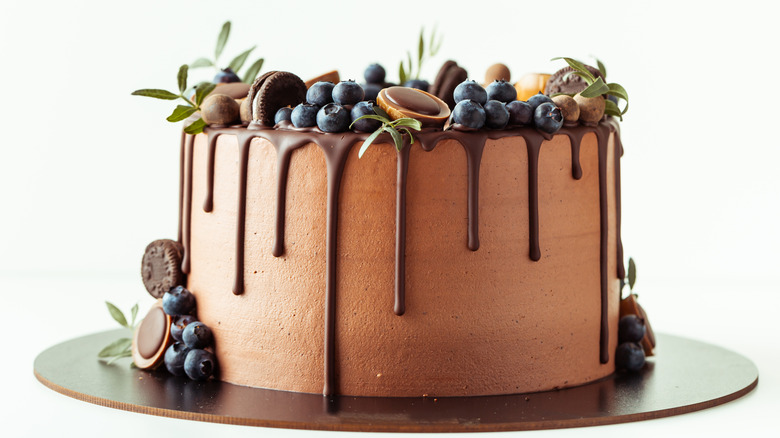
(489, 321)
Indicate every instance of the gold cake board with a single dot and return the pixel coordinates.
(687, 376)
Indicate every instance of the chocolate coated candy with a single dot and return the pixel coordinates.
(161, 267)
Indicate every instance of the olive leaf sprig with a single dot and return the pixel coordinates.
(390, 126)
(121, 347)
(630, 276)
(181, 112)
(405, 71)
(235, 65)
(597, 86)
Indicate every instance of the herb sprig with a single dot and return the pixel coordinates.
(182, 112)
(597, 86)
(249, 75)
(121, 347)
(434, 44)
(390, 126)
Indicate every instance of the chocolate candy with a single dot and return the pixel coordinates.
(151, 338)
(572, 84)
(450, 76)
(400, 102)
(161, 267)
(274, 90)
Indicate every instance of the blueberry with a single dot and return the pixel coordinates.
(178, 325)
(178, 301)
(374, 74)
(629, 357)
(538, 99)
(333, 118)
(548, 118)
(304, 115)
(372, 91)
(197, 335)
(174, 358)
(284, 114)
(320, 94)
(520, 113)
(364, 125)
(501, 91)
(631, 328)
(199, 364)
(470, 90)
(226, 76)
(418, 84)
(497, 116)
(348, 93)
(469, 114)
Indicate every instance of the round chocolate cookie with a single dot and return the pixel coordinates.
(572, 84)
(272, 91)
(450, 76)
(161, 267)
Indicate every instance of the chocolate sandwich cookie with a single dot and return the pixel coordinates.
(559, 83)
(274, 90)
(450, 76)
(161, 266)
(331, 76)
(151, 338)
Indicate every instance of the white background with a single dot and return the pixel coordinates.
(88, 173)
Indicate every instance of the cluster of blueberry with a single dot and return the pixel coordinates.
(187, 355)
(331, 108)
(497, 107)
(630, 355)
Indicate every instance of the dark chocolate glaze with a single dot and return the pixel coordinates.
(186, 203)
(336, 148)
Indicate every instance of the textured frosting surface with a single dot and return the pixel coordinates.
(476, 322)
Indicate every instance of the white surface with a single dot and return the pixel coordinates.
(700, 182)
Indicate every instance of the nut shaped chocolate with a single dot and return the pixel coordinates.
(497, 72)
(569, 108)
(591, 108)
(220, 109)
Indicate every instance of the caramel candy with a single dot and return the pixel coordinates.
(400, 102)
(151, 338)
(331, 76)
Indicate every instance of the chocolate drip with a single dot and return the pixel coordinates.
(400, 231)
(621, 270)
(208, 204)
(533, 144)
(604, 232)
(474, 161)
(575, 138)
(244, 142)
(282, 171)
(186, 203)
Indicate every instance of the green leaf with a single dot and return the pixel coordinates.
(239, 60)
(420, 47)
(401, 73)
(602, 68)
(155, 93)
(195, 127)
(180, 113)
(117, 314)
(631, 273)
(222, 39)
(433, 47)
(409, 58)
(610, 108)
(133, 314)
(397, 138)
(372, 117)
(381, 113)
(597, 88)
(119, 356)
(618, 91)
(203, 90)
(201, 62)
(408, 121)
(116, 348)
(584, 77)
(182, 78)
(411, 137)
(253, 70)
(578, 66)
(367, 142)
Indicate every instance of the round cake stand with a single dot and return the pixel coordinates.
(687, 376)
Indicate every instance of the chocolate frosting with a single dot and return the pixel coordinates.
(336, 148)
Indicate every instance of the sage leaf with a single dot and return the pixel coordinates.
(201, 62)
(155, 93)
(182, 77)
(239, 60)
(411, 138)
(370, 116)
(409, 58)
(253, 70)
(410, 122)
(119, 356)
(367, 142)
(116, 348)
(602, 68)
(610, 108)
(397, 138)
(420, 47)
(195, 127)
(133, 314)
(580, 67)
(618, 91)
(222, 39)
(631, 273)
(117, 314)
(401, 73)
(381, 113)
(597, 88)
(203, 89)
(180, 113)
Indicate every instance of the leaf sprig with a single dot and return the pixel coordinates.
(405, 72)
(390, 126)
(249, 75)
(121, 347)
(597, 86)
(181, 112)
